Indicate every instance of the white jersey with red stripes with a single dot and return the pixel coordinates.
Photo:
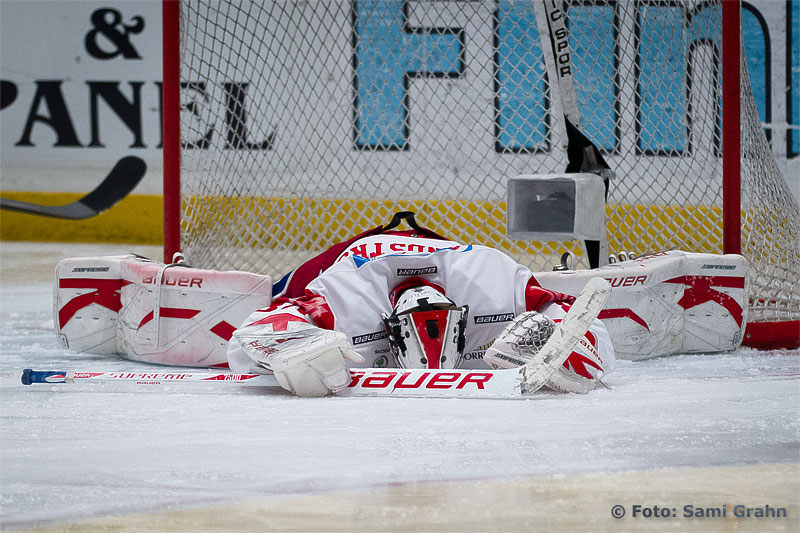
(352, 295)
(357, 290)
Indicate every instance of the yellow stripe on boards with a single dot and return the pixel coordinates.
(135, 219)
(312, 223)
(303, 223)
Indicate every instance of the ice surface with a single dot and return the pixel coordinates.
(69, 453)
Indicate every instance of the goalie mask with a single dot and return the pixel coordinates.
(426, 329)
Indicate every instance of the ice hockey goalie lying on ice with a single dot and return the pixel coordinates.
(403, 298)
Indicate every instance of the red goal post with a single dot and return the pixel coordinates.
(291, 125)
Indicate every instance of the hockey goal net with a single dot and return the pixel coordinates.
(299, 123)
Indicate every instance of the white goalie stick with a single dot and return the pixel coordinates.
(582, 154)
(122, 179)
(510, 383)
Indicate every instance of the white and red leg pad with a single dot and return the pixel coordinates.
(176, 315)
(668, 303)
(113, 305)
(87, 301)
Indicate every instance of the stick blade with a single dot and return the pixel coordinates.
(122, 179)
(566, 335)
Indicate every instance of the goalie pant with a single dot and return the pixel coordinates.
(350, 296)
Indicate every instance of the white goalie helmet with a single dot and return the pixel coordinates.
(426, 329)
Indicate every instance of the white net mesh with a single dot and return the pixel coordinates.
(305, 122)
(770, 223)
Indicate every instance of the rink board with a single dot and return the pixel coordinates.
(295, 223)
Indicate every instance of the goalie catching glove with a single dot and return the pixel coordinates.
(306, 360)
(522, 339)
